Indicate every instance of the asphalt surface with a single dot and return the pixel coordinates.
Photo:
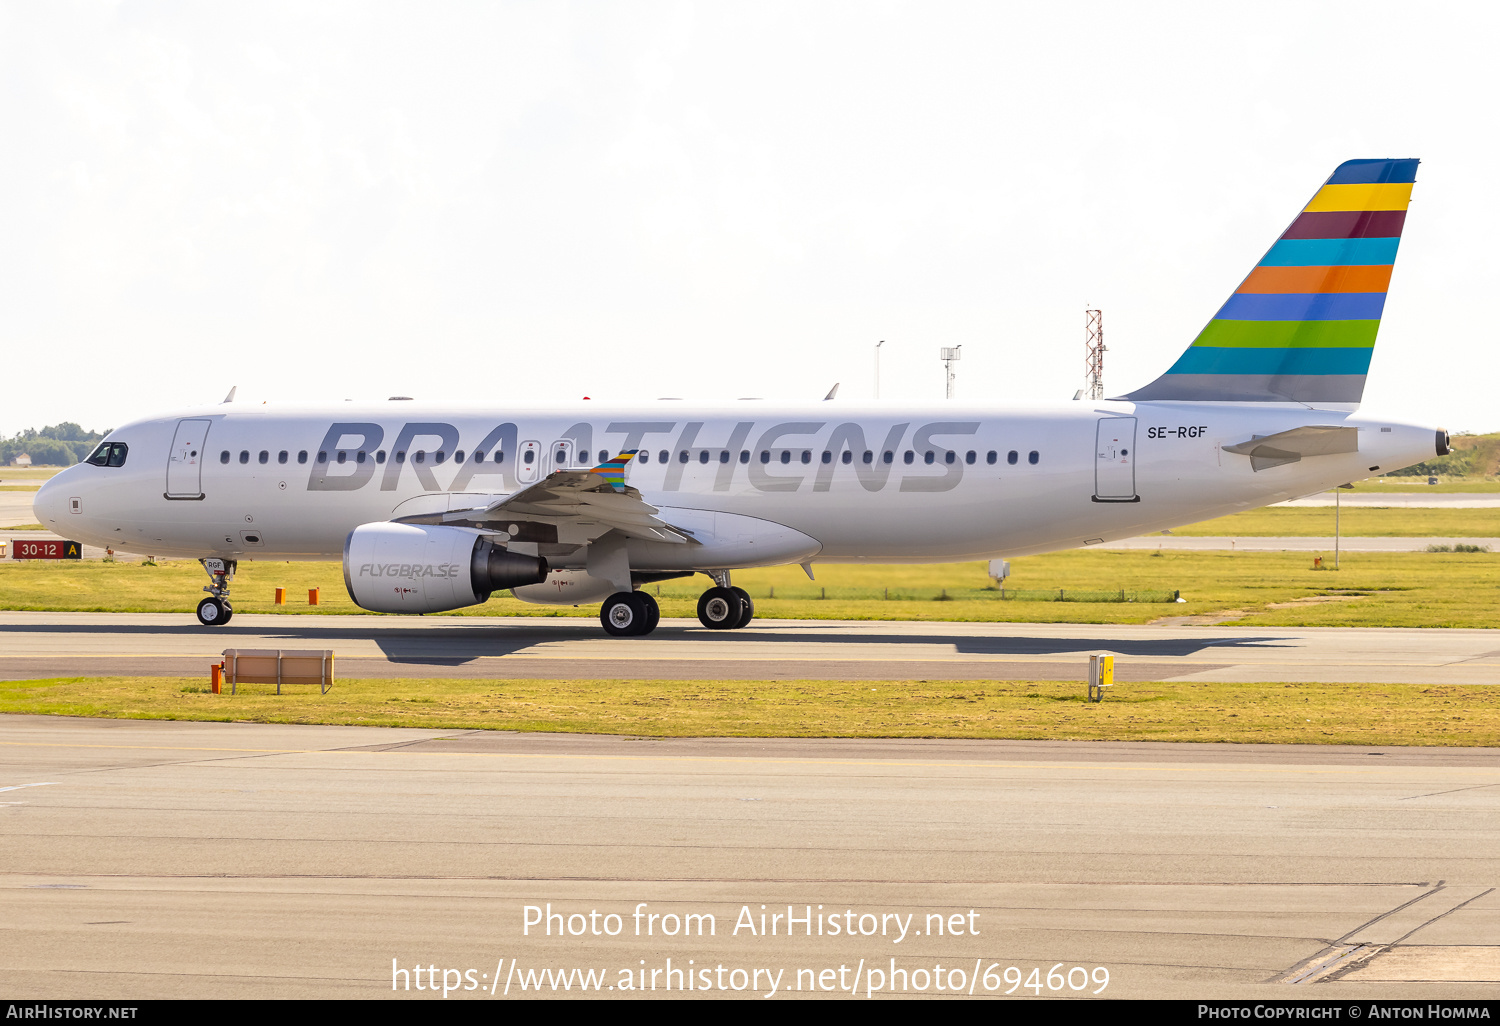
(36, 644)
(144, 859)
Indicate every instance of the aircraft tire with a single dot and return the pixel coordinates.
(720, 609)
(747, 610)
(624, 615)
(228, 612)
(213, 613)
(653, 611)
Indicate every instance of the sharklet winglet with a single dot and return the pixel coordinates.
(613, 470)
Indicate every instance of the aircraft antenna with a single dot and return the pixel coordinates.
(1095, 350)
(949, 355)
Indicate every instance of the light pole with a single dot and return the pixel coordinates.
(949, 356)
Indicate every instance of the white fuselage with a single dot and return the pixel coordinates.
(931, 490)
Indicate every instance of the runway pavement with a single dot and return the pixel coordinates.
(153, 644)
(143, 859)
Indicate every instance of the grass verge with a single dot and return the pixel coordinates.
(1398, 589)
(1354, 522)
(1364, 714)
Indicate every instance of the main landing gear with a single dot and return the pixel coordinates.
(725, 609)
(215, 610)
(629, 614)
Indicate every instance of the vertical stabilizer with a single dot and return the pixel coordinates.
(1301, 327)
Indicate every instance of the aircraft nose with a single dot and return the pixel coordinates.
(51, 503)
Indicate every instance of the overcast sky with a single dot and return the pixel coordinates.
(541, 201)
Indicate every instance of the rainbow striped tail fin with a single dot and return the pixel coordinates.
(1301, 328)
(613, 471)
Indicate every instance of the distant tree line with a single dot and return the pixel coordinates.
(56, 445)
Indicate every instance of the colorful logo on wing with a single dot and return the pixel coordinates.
(613, 471)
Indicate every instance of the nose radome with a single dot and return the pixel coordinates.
(51, 502)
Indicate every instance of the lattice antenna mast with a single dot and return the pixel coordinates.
(1095, 353)
(949, 356)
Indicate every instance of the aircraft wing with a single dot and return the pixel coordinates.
(598, 495)
(1266, 451)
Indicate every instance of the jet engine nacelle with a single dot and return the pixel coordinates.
(413, 568)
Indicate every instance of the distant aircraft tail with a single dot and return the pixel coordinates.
(1301, 328)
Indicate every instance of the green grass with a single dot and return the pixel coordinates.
(34, 475)
(1398, 589)
(1445, 485)
(1364, 714)
(24, 527)
(1354, 521)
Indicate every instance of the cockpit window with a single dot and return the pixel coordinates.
(109, 454)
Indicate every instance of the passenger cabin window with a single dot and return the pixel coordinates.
(908, 457)
(583, 455)
(827, 456)
(724, 456)
(889, 457)
(359, 457)
(302, 456)
(1011, 457)
(401, 456)
(950, 456)
(765, 456)
(991, 457)
(970, 457)
(703, 456)
(528, 458)
(224, 456)
(421, 456)
(244, 455)
(458, 457)
(281, 457)
(265, 457)
(744, 455)
(112, 454)
(806, 455)
(342, 456)
(379, 455)
(847, 457)
(499, 456)
(441, 456)
(870, 457)
(786, 456)
(604, 455)
(322, 456)
(927, 457)
(682, 457)
(1033, 457)
(663, 456)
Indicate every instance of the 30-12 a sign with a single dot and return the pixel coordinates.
(47, 548)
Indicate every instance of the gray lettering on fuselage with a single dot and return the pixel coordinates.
(725, 477)
(501, 441)
(852, 437)
(759, 475)
(677, 462)
(953, 472)
(401, 454)
(582, 437)
(636, 430)
(331, 476)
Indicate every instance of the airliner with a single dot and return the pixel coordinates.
(437, 507)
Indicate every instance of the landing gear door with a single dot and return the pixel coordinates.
(185, 461)
(1114, 460)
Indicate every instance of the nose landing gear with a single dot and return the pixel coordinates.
(215, 611)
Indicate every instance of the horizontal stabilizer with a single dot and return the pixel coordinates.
(1266, 451)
